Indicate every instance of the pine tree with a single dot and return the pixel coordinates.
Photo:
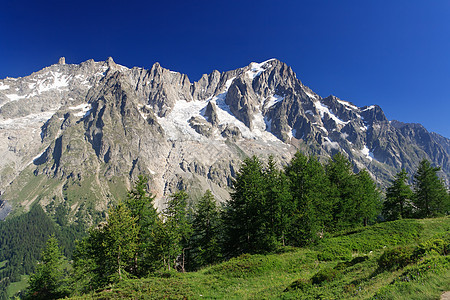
(368, 198)
(398, 198)
(244, 215)
(278, 202)
(206, 232)
(140, 203)
(343, 188)
(175, 232)
(46, 282)
(430, 194)
(120, 242)
(312, 203)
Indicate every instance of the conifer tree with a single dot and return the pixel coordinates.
(398, 198)
(46, 282)
(243, 217)
(312, 203)
(430, 194)
(278, 203)
(140, 202)
(120, 242)
(368, 198)
(343, 187)
(176, 230)
(206, 232)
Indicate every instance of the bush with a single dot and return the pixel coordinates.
(432, 246)
(396, 258)
(348, 264)
(325, 275)
(335, 253)
(300, 284)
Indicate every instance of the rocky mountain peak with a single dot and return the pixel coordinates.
(95, 126)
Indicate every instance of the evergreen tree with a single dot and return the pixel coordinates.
(107, 254)
(140, 203)
(430, 194)
(46, 283)
(206, 232)
(244, 215)
(312, 204)
(278, 203)
(120, 242)
(174, 234)
(343, 188)
(398, 198)
(368, 198)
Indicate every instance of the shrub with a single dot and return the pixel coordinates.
(432, 246)
(395, 258)
(325, 275)
(299, 284)
(334, 252)
(347, 264)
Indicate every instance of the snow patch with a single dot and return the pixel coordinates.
(323, 109)
(347, 104)
(176, 123)
(3, 86)
(14, 97)
(312, 96)
(56, 82)
(84, 110)
(367, 153)
(369, 108)
(272, 100)
(330, 143)
(257, 68)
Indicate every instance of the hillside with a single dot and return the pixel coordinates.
(343, 266)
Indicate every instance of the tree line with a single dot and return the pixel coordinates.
(270, 207)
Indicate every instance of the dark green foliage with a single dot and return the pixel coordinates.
(140, 203)
(368, 198)
(430, 195)
(398, 203)
(108, 253)
(311, 210)
(205, 241)
(22, 239)
(300, 284)
(325, 275)
(244, 216)
(175, 232)
(343, 186)
(279, 204)
(396, 258)
(47, 282)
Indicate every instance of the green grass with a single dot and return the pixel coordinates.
(18, 286)
(299, 274)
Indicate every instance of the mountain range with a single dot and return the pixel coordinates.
(76, 136)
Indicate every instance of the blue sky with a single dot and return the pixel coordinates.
(391, 53)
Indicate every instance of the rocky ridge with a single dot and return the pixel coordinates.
(73, 133)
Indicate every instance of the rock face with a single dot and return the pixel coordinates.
(79, 135)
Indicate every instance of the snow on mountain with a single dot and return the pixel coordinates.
(101, 118)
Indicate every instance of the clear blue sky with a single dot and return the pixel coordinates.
(391, 53)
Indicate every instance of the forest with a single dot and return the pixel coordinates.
(270, 208)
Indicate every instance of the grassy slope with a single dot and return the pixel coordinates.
(270, 276)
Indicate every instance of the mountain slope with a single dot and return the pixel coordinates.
(80, 134)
